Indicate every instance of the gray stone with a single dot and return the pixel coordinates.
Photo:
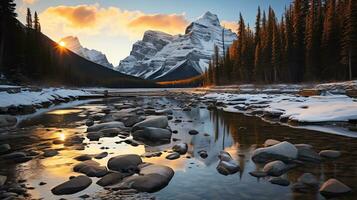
(83, 157)
(132, 120)
(50, 153)
(14, 155)
(180, 148)
(193, 132)
(332, 154)
(94, 136)
(72, 186)
(90, 168)
(283, 151)
(308, 179)
(152, 121)
(110, 179)
(106, 125)
(152, 134)
(333, 187)
(275, 168)
(258, 174)
(227, 165)
(173, 156)
(2, 180)
(308, 154)
(203, 154)
(7, 121)
(4, 148)
(271, 142)
(124, 163)
(89, 122)
(279, 181)
(101, 155)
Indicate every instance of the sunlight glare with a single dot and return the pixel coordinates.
(62, 44)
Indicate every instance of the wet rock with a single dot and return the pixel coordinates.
(22, 159)
(308, 179)
(94, 136)
(308, 146)
(14, 155)
(110, 179)
(173, 156)
(84, 196)
(110, 132)
(152, 134)
(72, 186)
(152, 121)
(50, 153)
(7, 121)
(17, 189)
(193, 132)
(4, 148)
(2, 180)
(308, 154)
(227, 165)
(164, 112)
(283, 151)
(279, 181)
(332, 154)
(151, 154)
(90, 168)
(124, 163)
(334, 187)
(132, 120)
(101, 155)
(258, 174)
(180, 148)
(89, 122)
(153, 178)
(42, 183)
(270, 142)
(203, 154)
(275, 168)
(105, 125)
(186, 109)
(300, 187)
(83, 157)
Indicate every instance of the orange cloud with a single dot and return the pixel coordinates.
(29, 1)
(230, 25)
(93, 20)
(168, 23)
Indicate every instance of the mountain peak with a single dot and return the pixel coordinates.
(208, 19)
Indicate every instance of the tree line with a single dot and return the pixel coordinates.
(314, 40)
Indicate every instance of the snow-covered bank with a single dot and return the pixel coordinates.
(293, 109)
(26, 100)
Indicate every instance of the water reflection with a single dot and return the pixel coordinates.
(195, 177)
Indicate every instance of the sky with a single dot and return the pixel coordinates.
(112, 26)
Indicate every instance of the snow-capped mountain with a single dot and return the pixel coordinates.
(73, 44)
(162, 56)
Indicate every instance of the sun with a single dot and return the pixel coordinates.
(62, 44)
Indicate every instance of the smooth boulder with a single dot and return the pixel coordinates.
(271, 142)
(72, 186)
(152, 134)
(308, 179)
(125, 163)
(152, 121)
(106, 125)
(275, 168)
(308, 154)
(284, 151)
(180, 148)
(333, 187)
(110, 179)
(227, 165)
(331, 154)
(90, 168)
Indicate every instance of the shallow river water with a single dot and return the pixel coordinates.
(195, 178)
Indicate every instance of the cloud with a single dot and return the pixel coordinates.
(93, 19)
(230, 25)
(29, 1)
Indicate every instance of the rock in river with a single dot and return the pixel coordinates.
(152, 134)
(152, 178)
(332, 154)
(50, 153)
(152, 121)
(283, 151)
(333, 187)
(173, 156)
(72, 186)
(308, 154)
(275, 168)
(270, 142)
(279, 181)
(308, 179)
(106, 125)
(7, 121)
(124, 163)
(180, 148)
(83, 157)
(101, 155)
(90, 168)
(110, 179)
(227, 165)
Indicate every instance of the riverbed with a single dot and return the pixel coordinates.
(195, 177)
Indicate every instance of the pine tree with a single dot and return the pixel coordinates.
(36, 22)
(330, 43)
(257, 28)
(289, 45)
(7, 19)
(216, 65)
(29, 19)
(276, 57)
(349, 39)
